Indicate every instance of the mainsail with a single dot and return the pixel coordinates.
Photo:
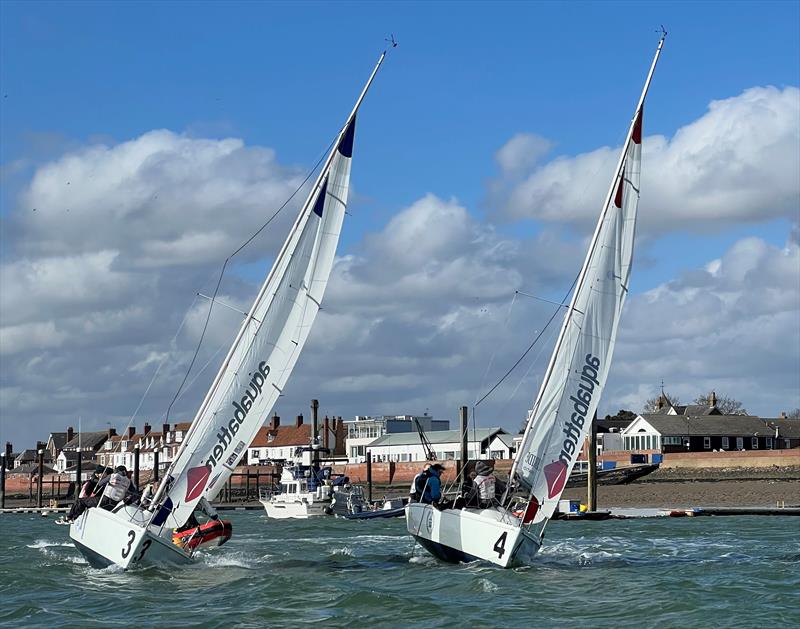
(573, 383)
(269, 341)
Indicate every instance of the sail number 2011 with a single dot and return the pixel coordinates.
(500, 545)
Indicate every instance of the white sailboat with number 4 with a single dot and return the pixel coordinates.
(247, 385)
(511, 533)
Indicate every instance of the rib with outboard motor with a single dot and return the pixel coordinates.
(247, 385)
(511, 532)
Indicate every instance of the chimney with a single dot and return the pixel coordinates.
(146, 428)
(299, 421)
(274, 422)
(712, 399)
(131, 431)
(164, 430)
(326, 436)
(70, 433)
(314, 421)
(784, 415)
(112, 432)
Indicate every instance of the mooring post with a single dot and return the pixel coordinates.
(154, 477)
(78, 474)
(463, 422)
(314, 421)
(247, 484)
(369, 477)
(136, 465)
(591, 475)
(2, 480)
(41, 478)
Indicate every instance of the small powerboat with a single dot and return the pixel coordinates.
(212, 533)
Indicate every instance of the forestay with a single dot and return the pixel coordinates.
(269, 342)
(564, 409)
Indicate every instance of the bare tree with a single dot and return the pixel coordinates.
(794, 414)
(725, 404)
(652, 405)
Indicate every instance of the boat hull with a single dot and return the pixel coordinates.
(123, 539)
(294, 509)
(463, 535)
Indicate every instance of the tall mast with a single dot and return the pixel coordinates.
(592, 246)
(276, 265)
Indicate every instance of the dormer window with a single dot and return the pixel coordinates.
(270, 438)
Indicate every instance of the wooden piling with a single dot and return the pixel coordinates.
(78, 474)
(2, 480)
(136, 465)
(369, 477)
(41, 478)
(463, 423)
(591, 471)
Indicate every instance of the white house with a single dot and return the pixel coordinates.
(503, 446)
(363, 430)
(445, 443)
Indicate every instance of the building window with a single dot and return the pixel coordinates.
(754, 443)
(726, 443)
(769, 443)
(706, 443)
(740, 443)
(786, 444)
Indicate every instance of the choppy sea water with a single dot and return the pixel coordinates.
(664, 572)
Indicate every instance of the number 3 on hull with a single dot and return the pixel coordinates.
(511, 533)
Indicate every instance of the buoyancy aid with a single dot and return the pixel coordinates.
(485, 485)
(117, 487)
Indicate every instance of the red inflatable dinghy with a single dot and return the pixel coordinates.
(212, 533)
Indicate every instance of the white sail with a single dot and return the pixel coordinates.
(564, 409)
(574, 380)
(268, 344)
(566, 403)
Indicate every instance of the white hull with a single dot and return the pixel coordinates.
(294, 508)
(105, 538)
(460, 535)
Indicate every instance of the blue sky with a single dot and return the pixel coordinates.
(465, 79)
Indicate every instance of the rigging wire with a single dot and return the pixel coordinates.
(228, 259)
(535, 340)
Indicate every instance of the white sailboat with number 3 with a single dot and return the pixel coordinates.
(247, 385)
(511, 533)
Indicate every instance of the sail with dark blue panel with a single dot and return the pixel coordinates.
(319, 204)
(346, 145)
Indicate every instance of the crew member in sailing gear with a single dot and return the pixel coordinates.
(117, 488)
(92, 496)
(204, 506)
(415, 492)
(431, 484)
(87, 489)
(484, 484)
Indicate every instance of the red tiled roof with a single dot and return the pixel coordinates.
(282, 436)
(184, 426)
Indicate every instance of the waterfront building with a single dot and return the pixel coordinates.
(277, 443)
(399, 447)
(710, 432)
(364, 430)
(503, 446)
